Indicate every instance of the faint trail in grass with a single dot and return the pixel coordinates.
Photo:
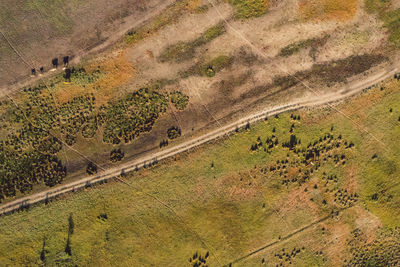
(308, 226)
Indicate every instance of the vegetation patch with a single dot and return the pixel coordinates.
(313, 43)
(332, 72)
(286, 178)
(174, 132)
(390, 18)
(340, 10)
(376, 6)
(135, 113)
(245, 9)
(179, 100)
(215, 65)
(392, 23)
(383, 251)
(116, 155)
(102, 78)
(185, 50)
(35, 131)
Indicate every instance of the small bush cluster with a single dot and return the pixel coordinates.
(287, 256)
(198, 260)
(37, 121)
(135, 113)
(91, 168)
(383, 251)
(173, 132)
(179, 100)
(215, 65)
(116, 155)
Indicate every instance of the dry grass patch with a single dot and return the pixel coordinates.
(340, 10)
(114, 72)
(193, 5)
(245, 9)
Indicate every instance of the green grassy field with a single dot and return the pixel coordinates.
(222, 199)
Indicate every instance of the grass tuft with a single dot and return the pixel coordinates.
(245, 9)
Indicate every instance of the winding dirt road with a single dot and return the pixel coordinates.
(349, 90)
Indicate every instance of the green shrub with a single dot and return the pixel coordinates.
(116, 155)
(179, 100)
(249, 8)
(213, 32)
(135, 113)
(174, 132)
(215, 65)
(91, 168)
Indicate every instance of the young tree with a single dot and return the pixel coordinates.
(44, 251)
(66, 60)
(68, 249)
(54, 61)
(91, 168)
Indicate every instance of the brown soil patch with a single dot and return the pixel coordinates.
(339, 10)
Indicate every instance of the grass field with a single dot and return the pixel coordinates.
(222, 199)
(245, 9)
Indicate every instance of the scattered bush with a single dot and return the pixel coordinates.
(91, 168)
(215, 65)
(116, 155)
(174, 132)
(179, 100)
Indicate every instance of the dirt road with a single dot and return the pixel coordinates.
(349, 90)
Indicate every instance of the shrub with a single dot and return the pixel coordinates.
(174, 132)
(116, 155)
(215, 65)
(179, 100)
(91, 168)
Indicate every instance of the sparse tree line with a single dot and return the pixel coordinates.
(198, 259)
(54, 64)
(65, 256)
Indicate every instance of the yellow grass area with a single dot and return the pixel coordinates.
(193, 4)
(339, 10)
(115, 72)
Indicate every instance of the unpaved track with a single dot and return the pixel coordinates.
(172, 151)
